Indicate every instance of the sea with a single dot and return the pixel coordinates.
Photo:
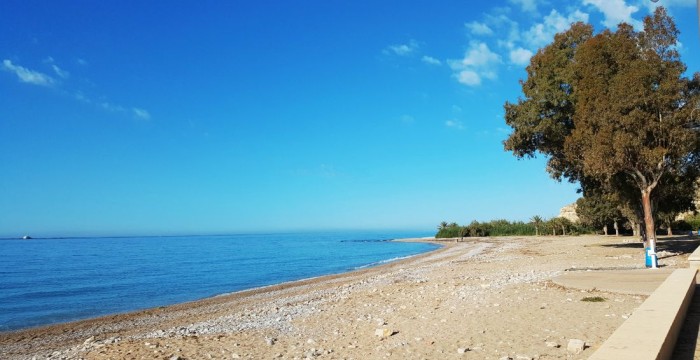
(56, 280)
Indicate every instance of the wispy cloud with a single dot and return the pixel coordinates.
(454, 124)
(527, 5)
(478, 28)
(479, 62)
(402, 49)
(141, 113)
(62, 84)
(430, 60)
(60, 72)
(615, 12)
(28, 76)
(111, 107)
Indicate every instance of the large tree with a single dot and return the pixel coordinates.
(612, 107)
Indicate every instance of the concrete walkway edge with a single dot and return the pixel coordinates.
(652, 330)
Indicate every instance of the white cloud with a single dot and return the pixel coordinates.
(526, 5)
(615, 12)
(469, 78)
(28, 76)
(141, 113)
(455, 124)
(478, 28)
(520, 56)
(402, 49)
(541, 34)
(479, 55)
(431, 60)
(478, 62)
(511, 29)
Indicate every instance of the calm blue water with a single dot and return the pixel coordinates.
(46, 281)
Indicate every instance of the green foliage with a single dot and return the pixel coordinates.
(502, 227)
(693, 222)
(452, 230)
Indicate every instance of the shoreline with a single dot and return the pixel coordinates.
(225, 293)
(90, 324)
(480, 298)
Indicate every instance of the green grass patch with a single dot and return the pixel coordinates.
(593, 299)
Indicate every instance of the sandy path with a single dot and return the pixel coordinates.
(478, 299)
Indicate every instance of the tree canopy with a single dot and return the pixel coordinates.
(611, 110)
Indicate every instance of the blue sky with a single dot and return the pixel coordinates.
(131, 117)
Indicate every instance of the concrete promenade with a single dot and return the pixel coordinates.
(665, 326)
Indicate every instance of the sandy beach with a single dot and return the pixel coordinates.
(483, 298)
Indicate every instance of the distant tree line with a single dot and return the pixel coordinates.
(536, 226)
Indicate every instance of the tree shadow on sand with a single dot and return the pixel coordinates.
(678, 244)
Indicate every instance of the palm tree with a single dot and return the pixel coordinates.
(537, 221)
(443, 225)
(565, 224)
(553, 224)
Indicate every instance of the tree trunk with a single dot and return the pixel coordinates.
(635, 228)
(563, 231)
(649, 226)
(605, 230)
(554, 231)
(537, 231)
(669, 231)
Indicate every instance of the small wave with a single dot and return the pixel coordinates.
(366, 240)
(381, 262)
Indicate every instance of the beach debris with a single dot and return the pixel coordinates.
(575, 346)
(552, 344)
(462, 350)
(270, 341)
(384, 332)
